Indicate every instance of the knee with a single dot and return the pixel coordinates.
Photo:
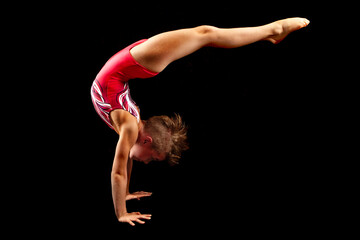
(206, 30)
(207, 33)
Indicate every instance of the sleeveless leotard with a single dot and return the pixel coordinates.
(110, 89)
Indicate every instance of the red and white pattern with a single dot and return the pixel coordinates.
(103, 108)
(127, 103)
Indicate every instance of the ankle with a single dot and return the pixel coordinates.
(275, 29)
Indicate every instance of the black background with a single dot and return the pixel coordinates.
(254, 114)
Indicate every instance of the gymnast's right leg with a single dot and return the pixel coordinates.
(162, 49)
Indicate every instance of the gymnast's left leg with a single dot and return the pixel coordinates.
(162, 49)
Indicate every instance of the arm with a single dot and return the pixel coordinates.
(134, 195)
(128, 133)
(129, 170)
(119, 175)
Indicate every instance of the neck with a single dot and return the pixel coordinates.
(141, 125)
(141, 129)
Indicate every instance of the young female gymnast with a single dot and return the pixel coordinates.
(160, 137)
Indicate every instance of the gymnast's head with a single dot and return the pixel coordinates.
(162, 138)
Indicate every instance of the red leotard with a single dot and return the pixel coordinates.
(110, 89)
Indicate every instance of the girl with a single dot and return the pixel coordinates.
(159, 138)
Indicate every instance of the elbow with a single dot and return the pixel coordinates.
(118, 179)
(118, 175)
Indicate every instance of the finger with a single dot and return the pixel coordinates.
(139, 192)
(131, 223)
(146, 216)
(139, 221)
(144, 193)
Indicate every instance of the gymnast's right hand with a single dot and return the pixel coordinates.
(134, 217)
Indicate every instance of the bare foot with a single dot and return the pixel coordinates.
(282, 28)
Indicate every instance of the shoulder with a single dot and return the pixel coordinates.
(123, 121)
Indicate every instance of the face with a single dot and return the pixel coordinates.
(143, 152)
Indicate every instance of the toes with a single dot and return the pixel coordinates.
(305, 22)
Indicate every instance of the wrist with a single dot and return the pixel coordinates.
(121, 214)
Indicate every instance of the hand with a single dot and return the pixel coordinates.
(137, 195)
(134, 216)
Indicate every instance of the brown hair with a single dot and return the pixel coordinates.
(169, 136)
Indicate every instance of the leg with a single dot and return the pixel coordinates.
(162, 49)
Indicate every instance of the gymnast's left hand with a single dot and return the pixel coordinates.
(137, 195)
